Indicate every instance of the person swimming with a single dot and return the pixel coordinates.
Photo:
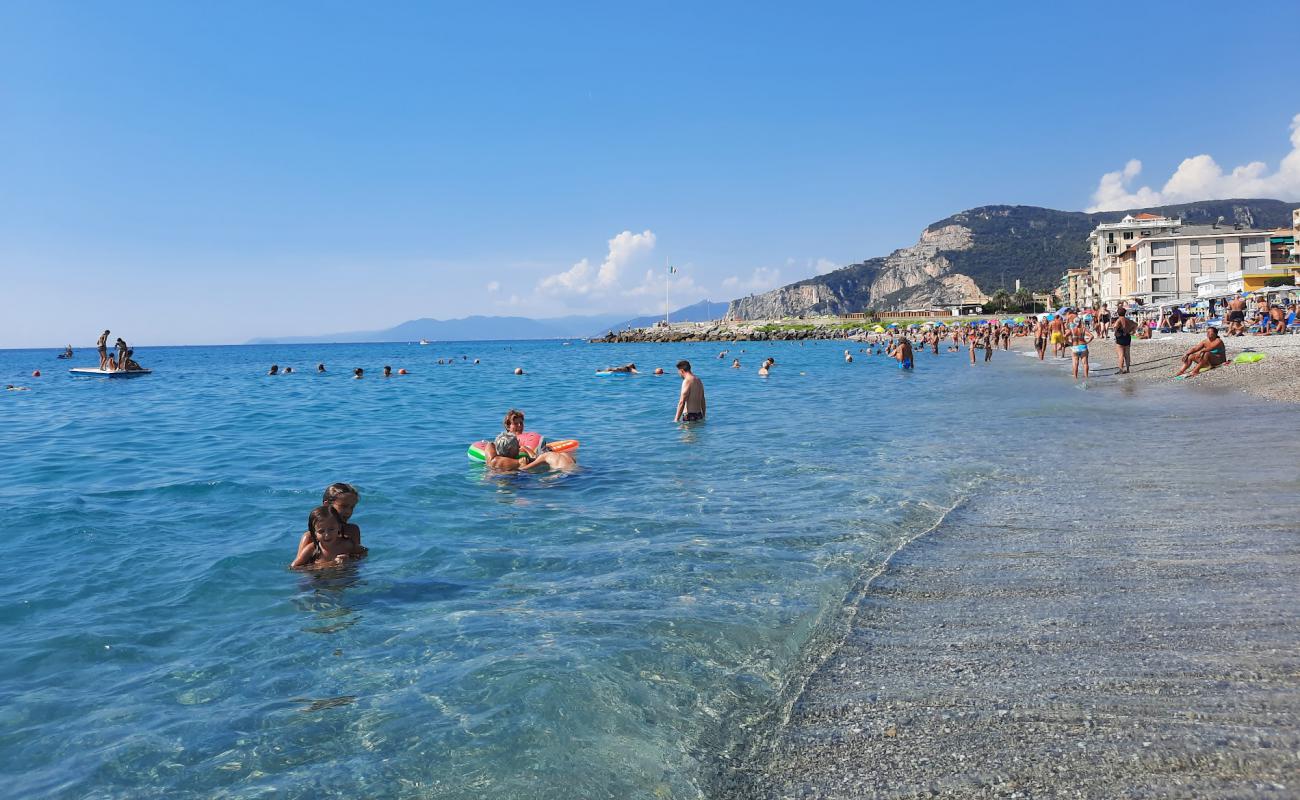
(629, 367)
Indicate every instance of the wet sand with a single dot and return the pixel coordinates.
(1038, 644)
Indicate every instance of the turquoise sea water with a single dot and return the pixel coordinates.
(619, 631)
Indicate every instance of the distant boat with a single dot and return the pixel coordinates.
(424, 341)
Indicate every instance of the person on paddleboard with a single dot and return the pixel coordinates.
(102, 345)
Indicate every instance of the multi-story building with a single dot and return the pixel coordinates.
(1293, 251)
(1107, 244)
(1076, 288)
(1201, 260)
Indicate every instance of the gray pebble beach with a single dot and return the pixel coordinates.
(1036, 644)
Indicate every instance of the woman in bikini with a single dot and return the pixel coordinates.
(1079, 338)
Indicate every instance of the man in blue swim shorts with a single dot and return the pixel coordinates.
(903, 352)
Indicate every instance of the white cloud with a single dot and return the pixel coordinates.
(1201, 178)
(824, 265)
(762, 279)
(625, 250)
(494, 286)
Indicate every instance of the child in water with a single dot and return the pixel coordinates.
(325, 544)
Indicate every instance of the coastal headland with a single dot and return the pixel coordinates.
(761, 330)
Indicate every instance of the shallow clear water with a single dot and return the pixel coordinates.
(606, 633)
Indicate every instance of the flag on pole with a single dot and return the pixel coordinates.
(672, 270)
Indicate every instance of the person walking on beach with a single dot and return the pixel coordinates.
(1124, 328)
(690, 404)
(102, 344)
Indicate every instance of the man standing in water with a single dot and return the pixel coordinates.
(690, 405)
(903, 352)
(102, 344)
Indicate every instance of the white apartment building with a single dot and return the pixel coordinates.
(1107, 243)
(1200, 261)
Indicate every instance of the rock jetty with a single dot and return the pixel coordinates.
(750, 331)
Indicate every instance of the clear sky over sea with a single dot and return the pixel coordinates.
(202, 173)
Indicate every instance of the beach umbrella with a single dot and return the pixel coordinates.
(1018, 320)
(877, 329)
(893, 324)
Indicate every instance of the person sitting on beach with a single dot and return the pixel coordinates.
(1206, 355)
(274, 370)
(342, 498)
(903, 352)
(1274, 321)
(324, 544)
(631, 368)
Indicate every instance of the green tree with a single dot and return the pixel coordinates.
(1023, 300)
(1000, 299)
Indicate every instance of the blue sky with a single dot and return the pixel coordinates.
(204, 173)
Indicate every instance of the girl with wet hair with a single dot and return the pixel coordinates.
(324, 545)
(341, 499)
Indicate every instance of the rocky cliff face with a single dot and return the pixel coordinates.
(920, 273)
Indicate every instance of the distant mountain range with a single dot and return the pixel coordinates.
(966, 257)
(475, 328)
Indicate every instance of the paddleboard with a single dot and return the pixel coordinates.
(103, 373)
(529, 440)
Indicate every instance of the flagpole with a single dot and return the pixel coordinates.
(667, 275)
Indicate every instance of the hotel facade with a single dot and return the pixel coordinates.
(1158, 259)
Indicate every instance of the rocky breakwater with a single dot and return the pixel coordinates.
(752, 331)
(916, 276)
